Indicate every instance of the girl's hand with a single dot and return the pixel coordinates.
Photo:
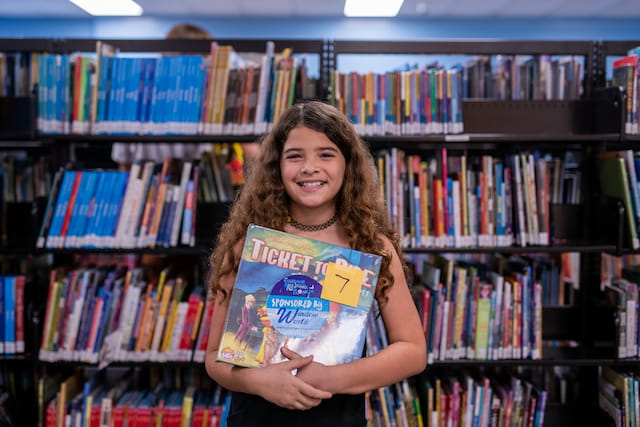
(313, 373)
(287, 390)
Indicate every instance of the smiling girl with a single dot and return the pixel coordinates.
(314, 177)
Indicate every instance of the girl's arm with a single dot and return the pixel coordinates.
(405, 356)
(274, 383)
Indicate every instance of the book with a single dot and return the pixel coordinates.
(613, 182)
(309, 295)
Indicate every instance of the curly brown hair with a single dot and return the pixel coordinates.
(263, 200)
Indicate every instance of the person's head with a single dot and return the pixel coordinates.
(315, 125)
(264, 200)
(249, 300)
(188, 31)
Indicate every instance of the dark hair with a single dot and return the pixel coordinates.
(188, 31)
(263, 200)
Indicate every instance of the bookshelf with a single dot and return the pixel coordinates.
(589, 124)
(554, 126)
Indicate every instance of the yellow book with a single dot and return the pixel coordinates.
(68, 388)
(51, 302)
(621, 382)
(145, 314)
(173, 311)
(222, 84)
(211, 88)
(208, 95)
(424, 198)
(187, 406)
(463, 197)
(436, 399)
(161, 316)
(460, 309)
(383, 404)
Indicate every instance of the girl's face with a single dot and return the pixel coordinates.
(312, 169)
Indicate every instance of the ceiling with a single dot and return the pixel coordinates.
(333, 8)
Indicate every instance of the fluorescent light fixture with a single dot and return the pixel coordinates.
(372, 8)
(109, 7)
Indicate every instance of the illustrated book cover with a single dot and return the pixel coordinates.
(309, 295)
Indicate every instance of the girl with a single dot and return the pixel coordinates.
(314, 177)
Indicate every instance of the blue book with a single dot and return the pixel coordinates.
(2, 315)
(116, 193)
(131, 125)
(107, 305)
(102, 210)
(95, 209)
(111, 109)
(9, 314)
(87, 238)
(328, 286)
(62, 203)
(92, 178)
(81, 196)
(87, 310)
(104, 84)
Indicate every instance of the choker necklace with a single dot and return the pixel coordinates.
(317, 227)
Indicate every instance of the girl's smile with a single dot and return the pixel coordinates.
(312, 169)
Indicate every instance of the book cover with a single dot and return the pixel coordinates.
(311, 296)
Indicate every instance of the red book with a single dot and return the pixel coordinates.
(19, 281)
(120, 411)
(203, 334)
(191, 322)
(97, 311)
(72, 199)
(426, 312)
(51, 415)
(96, 409)
(197, 417)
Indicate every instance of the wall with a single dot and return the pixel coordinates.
(334, 28)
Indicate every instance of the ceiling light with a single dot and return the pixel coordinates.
(109, 8)
(372, 8)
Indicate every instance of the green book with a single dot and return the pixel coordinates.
(613, 182)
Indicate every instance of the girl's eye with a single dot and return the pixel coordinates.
(327, 154)
(293, 156)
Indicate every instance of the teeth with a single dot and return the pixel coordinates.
(311, 184)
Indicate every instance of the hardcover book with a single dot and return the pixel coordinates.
(308, 295)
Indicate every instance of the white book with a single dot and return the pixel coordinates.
(181, 195)
(263, 89)
(177, 331)
(128, 200)
(129, 311)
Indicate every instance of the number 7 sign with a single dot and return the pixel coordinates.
(342, 284)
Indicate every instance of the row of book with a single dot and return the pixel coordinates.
(619, 395)
(413, 102)
(470, 312)
(23, 179)
(619, 176)
(480, 400)
(153, 204)
(446, 200)
(106, 314)
(12, 314)
(16, 75)
(428, 100)
(626, 76)
(223, 93)
(523, 77)
(620, 285)
(99, 401)
(462, 398)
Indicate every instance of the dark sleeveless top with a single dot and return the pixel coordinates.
(342, 410)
